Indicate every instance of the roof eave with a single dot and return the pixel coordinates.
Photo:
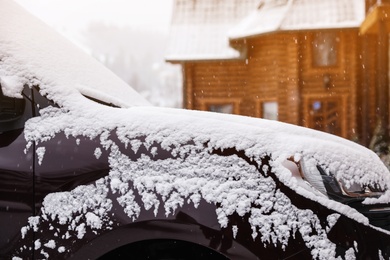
(378, 13)
(178, 60)
(258, 34)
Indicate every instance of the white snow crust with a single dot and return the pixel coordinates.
(11, 86)
(40, 153)
(51, 244)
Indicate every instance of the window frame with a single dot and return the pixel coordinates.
(259, 107)
(206, 102)
(338, 46)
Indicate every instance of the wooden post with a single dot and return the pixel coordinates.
(365, 100)
(383, 80)
(188, 87)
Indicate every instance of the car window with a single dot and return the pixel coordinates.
(14, 111)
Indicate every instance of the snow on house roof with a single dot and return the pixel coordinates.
(284, 15)
(199, 28)
(32, 53)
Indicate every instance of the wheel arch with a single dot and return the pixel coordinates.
(162, 230)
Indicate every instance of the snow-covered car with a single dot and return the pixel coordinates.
(89, 170)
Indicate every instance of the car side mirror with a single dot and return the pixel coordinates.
(11, 109)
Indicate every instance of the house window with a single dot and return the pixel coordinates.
(269, 110)
(221, 108)
(220, 105)
(324, 48)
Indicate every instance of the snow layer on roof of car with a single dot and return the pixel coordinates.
(32, 53)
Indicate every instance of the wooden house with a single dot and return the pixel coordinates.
(296, 61)
(374, 32)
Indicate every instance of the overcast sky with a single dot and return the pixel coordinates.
(127, 36)
(72, 16)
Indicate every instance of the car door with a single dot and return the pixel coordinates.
(16, 173)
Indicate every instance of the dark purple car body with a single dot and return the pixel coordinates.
(188, 233)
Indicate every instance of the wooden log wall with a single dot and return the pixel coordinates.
(217, 82)
(279, 67)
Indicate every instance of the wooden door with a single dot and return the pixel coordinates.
(325, 114)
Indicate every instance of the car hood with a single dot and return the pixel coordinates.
(349, 161)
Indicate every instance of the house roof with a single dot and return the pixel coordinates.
(285, 15)
(32, 53)
(199, 28)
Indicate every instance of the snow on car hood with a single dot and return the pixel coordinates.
(32, 53)
(349, 161)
